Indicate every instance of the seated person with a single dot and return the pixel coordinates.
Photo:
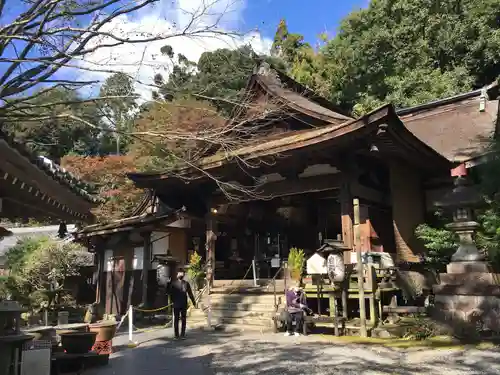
(295, 306)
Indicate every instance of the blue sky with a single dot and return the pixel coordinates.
(306, 17)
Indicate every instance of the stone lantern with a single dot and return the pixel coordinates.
(467, 297)
(461, 202)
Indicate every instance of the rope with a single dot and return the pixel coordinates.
(152, 310)
(197, 299)
(170, 304)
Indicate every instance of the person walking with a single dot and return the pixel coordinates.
(179, 290)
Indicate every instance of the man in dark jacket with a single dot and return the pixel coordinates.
(179, 290)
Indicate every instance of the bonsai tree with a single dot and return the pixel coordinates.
(296, 261)
(39, 268)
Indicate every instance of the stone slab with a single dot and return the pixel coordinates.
(469, 289)
(470, 277)
(466, 267)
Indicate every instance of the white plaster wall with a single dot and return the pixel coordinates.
(160, 243)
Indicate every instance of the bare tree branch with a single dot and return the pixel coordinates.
(52, 35)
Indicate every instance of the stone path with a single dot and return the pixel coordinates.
(217, 353)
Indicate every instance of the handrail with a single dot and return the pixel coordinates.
(273, 281)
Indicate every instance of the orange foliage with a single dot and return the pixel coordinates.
(109, 174)
(174, 132)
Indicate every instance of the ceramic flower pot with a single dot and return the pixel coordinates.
(43, 333)
(105, 330)
(78, 342)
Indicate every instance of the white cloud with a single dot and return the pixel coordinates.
(144, 60)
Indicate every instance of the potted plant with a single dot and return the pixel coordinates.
(77, 342)
(296, 261)
(195, 270)
(105, 329)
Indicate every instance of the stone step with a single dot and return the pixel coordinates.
(242, 314)
(259, 307)
(199, 314)
(233, 313)
(223, 321)
(242, 298)
(229, 327)
(249, 283)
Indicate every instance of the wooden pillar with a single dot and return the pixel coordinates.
(211, 237)
(146, 264)
(345, 291)
(361, 290)
(101, 267)
(346, 209)
(372, 284)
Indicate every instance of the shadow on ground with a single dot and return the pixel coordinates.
(222, 353)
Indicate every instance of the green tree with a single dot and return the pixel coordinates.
(40, 264)
(219, 77)
(301, 60)
(118, 107)
(54, 136)
(408, 52)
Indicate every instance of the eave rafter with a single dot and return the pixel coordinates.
(26, 195)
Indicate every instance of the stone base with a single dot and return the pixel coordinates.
(470, 278)
(472, 312)
(467, 267)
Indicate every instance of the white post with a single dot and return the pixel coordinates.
(254, 273)
(360, 265)
(130, 324)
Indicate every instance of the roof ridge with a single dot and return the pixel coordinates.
(297, 87)
(490, 89)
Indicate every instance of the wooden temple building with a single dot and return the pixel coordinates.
(298, 188)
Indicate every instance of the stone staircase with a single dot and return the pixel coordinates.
(243, 308)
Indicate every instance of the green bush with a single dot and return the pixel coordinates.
(38, 265)
(296, 262)
(440, 243)
(195, 270)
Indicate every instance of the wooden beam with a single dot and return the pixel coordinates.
(15, 164)
(146, 263)
(25, 195)
(347, 215)
(364, 192)
(285, 188)
(44, 210)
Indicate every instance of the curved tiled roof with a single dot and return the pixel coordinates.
(54, 171)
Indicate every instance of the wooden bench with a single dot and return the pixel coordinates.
(338, 322)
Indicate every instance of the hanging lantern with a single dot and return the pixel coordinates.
(335, 266)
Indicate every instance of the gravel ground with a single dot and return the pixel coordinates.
(218, 353)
